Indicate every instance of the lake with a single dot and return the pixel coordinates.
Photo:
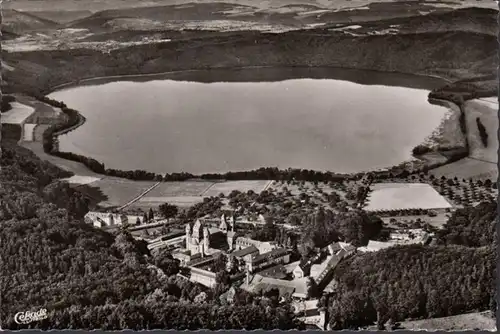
(232, 120)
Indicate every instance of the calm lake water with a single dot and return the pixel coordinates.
(232, 120)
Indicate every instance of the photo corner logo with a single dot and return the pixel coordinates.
(24, 318)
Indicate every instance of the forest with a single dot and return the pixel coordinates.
(87, 278)
(454, 276)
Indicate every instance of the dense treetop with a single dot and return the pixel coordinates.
(415, 281)
(88, 278)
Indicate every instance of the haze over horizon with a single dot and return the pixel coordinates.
(99, 5)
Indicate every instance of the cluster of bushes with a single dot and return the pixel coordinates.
(482, 132)
(5, 105)
(324, 227)
(273, 173)
(421, 150)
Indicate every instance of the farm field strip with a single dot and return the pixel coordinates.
(120, 191)
(18, 114)
(467, 168)
(81, 179)
(175, 200)
(397, 196)
(179, 189)
(462, 322)
(243, 186)
(140, 196)
(487, 112)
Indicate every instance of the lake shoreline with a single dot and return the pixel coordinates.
(91, 81)
(164, 76)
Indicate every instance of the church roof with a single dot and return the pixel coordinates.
(245, 251)
(223, 225)
(305, 264)
(269, 255)
(214, 230)
(197, 229)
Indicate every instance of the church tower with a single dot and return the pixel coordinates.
(188, 236)
(232, 221)
(223, 224)
(206, 239)
(111, 219)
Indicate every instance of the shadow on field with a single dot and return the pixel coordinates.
(94, 194)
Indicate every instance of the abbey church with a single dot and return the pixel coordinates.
(205, 239)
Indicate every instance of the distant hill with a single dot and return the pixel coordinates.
(294, 13)
(474, 19)
(20, 22)
(6, 34)
(198, 12)
(98, 5)
(455, 55)
(62, 17)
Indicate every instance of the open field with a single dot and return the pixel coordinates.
(148, 201)
(487, 111)
(463, 322)
(18, 114)
(67, 165)
(97, 5)
(397, 196)
(243, 186)
(60, 16)
(180, 189)
(468, 168)
(448, 134)
(78, 179)
(121, 191)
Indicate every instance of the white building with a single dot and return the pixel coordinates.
(254, 262)
(104, 219)
(19, 116)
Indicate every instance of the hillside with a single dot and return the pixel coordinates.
(479, 20)
(421, 282)
(292, 15)
(98, 5)
(61, 17)
(87, 278)
(20, 22)
(454, 55)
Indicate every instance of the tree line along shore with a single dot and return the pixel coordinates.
(74, 119)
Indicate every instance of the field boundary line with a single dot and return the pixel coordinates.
(206, 190)
(268, 185)
(139, 197)
(482, 160)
